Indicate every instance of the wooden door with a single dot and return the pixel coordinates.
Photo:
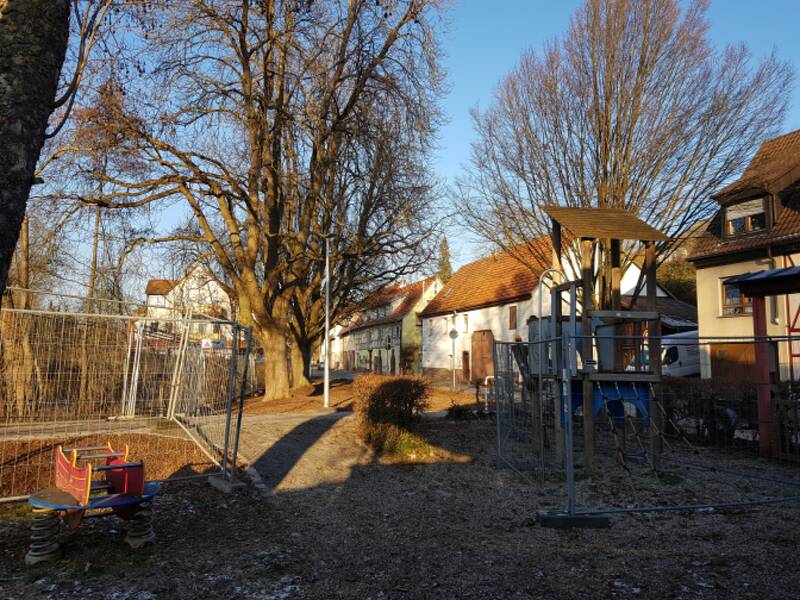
(465, 366)
(482, 354)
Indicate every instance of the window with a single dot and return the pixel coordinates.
(512, 317)
(734, 302)
(746, 217)
(670, 356)
(466, 323)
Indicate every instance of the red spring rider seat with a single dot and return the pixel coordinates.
(122, 492)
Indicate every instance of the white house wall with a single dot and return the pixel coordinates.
(436, 342)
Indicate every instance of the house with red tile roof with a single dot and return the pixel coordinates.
(485, 301)
(382, 334)
(756, 227)
(496, 298)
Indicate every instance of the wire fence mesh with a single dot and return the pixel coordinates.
(168, 387)
(529, 436)
(690, 439)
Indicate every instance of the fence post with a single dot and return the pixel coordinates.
(130, 409)
(177, 372)
(125, 374)
(229, 408)
(566, 394)
(249, 336)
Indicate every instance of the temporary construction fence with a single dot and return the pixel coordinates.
(682, 442)
(170, 387)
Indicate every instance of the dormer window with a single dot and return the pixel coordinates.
(745, 217)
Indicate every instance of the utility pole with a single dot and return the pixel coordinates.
(453, 336)
(326, 385)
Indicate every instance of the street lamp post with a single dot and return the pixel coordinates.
(326, 385)
(453, 336)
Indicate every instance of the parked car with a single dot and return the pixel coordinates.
(680, 354)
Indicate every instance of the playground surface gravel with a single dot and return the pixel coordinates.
(330, 520)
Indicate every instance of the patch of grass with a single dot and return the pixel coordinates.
(410, 448)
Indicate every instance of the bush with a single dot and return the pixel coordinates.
(386, 407)
(461, 412)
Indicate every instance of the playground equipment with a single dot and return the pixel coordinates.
(592, 359)
(75, 495)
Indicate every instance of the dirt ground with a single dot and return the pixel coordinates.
(310, 398)
(329, 520)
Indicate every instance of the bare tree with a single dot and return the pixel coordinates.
(262, 118)
(632, 108)
(380, 212)
(33, 45)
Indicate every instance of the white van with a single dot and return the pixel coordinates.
(680, 354)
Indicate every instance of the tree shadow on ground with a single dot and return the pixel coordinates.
(282, 456)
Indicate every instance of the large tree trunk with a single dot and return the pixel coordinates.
(301, 364)
(276, 368)
(33, 41)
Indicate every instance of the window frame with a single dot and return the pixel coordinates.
(513, 323)
(747, 220)
(743, 308)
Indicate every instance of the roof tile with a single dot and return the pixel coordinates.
(160, 287)
(773, 160)
(493, 280)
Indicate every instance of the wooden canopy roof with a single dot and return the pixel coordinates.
(595, 223)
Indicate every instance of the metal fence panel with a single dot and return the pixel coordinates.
(168, 387)
(528, 421)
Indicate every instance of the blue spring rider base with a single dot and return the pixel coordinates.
(613, 395)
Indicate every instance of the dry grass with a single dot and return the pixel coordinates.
(305, 399)
(32, 460)
(309, 399)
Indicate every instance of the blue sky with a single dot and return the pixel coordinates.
(486, 38)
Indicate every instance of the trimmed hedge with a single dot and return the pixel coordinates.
(386, 407)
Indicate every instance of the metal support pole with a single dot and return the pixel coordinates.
(587, 269)
(249, 335)
(177, 372)
(326, 385)
(542, 349)
(453, 334)
(566, 392)
(125, 375)
(654, 352)
(130, 409)
(558, 350)
(229, 408)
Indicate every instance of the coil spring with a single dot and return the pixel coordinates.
(140, 528)
(44, 536)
